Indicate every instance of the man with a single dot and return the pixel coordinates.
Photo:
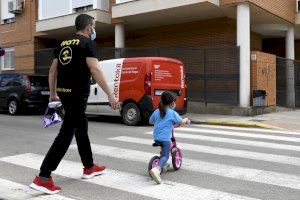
(69, 81)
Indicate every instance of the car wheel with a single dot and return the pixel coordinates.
(13, 107)
(131, 114)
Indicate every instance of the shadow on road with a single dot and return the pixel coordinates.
(91, 118)
(27, 113)
(105, 118)
(110, 119)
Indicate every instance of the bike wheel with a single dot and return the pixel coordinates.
(176, 158)
(153, 163)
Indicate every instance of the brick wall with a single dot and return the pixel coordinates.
(283, 8)
(20, 35)
(263, 75)
(208, 33)
(276, 46)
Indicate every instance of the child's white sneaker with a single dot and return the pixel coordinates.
(167, 167)
(155, 174)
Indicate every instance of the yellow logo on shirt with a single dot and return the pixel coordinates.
(63, 90)
(70, 42)
(65, 55)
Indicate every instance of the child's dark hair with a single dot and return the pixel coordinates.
(167, 98)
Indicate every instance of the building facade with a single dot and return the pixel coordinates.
(17, 32)
(253, 25)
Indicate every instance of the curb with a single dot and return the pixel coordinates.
(237, 124)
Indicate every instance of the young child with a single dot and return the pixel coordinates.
(164, 119)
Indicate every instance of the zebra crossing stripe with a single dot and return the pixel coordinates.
(16, 191)
(128, 182)
(236, 141)
(229, 171)
(288, 160)
(239, 134)
(285, 132)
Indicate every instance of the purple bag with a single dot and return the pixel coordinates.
(52, 114)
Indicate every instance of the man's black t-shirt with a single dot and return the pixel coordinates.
(73, 73)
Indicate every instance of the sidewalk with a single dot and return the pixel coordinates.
(288, 120)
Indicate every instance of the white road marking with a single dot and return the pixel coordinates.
(235, 141)
(16, 191)
(221, 151)
(239, 134)
(229, 171)
(128, 182)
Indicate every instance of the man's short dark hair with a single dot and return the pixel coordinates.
(83, 20)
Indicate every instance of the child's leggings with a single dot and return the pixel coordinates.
(166, 148)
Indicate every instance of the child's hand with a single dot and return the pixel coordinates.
(185, 121)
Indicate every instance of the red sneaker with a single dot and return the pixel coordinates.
(45, 187)
(94, 171)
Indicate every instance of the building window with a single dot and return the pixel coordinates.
(9, 20)
(298, 5)
(8, 60)
(83, 8)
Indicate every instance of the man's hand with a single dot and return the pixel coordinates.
(53, 98)
(100, 79)
(113, 102)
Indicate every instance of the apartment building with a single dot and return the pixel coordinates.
(17, 32)
(271, 26)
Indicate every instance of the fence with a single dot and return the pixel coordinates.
(212, 73)
(42, 60)
(287, 82)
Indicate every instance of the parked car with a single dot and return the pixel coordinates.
(19, 92)
(138, 83)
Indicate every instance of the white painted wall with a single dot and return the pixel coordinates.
(4, 10)
(55, 8)
(103, 4)
(123, 1)
(243, 41)
(82, 3)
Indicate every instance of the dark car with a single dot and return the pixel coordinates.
(19, 92)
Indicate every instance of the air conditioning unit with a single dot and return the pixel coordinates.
(16, 6)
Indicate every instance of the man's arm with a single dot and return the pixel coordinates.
(52, 81)
(99, 78)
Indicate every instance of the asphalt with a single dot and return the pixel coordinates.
(24, 134)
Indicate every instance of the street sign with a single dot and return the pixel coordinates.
(2, 52)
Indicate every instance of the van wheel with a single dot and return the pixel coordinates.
(13, 107)
(131, 114)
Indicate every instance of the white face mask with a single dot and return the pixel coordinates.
(174, 106)
(93, 35)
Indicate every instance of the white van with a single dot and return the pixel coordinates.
(138, 83)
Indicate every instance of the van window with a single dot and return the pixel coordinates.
(6, 80)
(39, 81)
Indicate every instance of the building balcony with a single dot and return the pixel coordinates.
(56, 18)
(147, 13)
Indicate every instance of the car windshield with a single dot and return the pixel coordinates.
(40, 81)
